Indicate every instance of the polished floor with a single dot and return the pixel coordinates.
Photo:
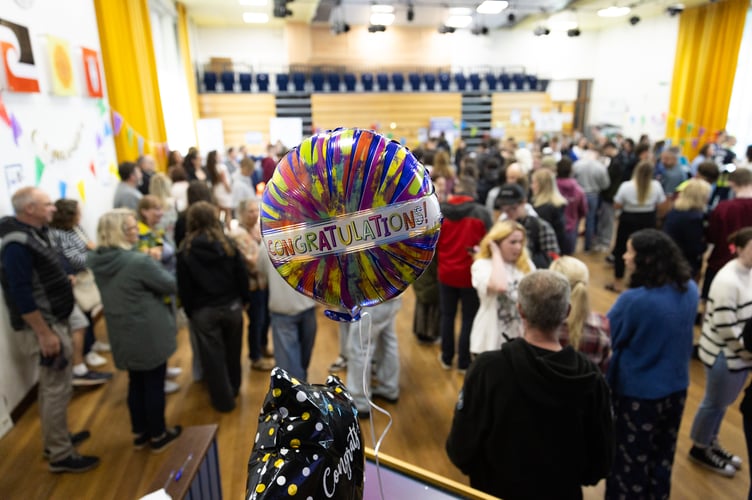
(421, 422)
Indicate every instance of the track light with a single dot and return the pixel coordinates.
(444, 29)
(375, 28)
(410, 13)
(511, 17)
(675, 9)
(479, 30)
(541, 31)
(280, 8)
(573, 32)
(634, 20)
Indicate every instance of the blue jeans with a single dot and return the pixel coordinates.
(721, 389)
(448, 298)
(258, 323)
(591, 219)
(293, 341)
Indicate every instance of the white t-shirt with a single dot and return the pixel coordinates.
(626, 196)
(497, 320)
(180, 193)
(221, 193)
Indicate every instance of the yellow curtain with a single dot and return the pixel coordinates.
(131, 73)
(705, 64)
(185, 53)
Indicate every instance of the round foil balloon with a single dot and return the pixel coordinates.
(350, 219)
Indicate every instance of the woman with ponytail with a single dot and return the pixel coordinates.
(586, 331)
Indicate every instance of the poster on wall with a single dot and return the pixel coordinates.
(211, 136)
(92, 72)
(14, 178)
(18, 58)
(61, 66)
(288, 131)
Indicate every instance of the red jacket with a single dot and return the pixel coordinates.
(729, 216)
(465, 224)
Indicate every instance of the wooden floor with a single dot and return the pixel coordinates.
(421, 422)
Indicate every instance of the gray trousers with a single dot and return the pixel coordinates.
(605, 229)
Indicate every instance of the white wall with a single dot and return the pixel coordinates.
(259, 47)
(48, 122)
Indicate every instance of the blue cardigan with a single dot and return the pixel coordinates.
(651, 338)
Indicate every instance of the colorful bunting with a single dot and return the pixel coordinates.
(4, 112)
(93, 169)
(113, 170)
(81, 190)
(102, 107)
(16, 127)
(99, 141)
(117, 122)
(39, 170)
(140, 145)
(62, 187)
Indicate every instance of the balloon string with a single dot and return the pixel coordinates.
(367, 392)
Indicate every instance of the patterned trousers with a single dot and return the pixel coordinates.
(645, 432)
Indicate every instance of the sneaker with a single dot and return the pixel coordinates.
(443, 364)
(76, 439)
(140, 441)
(91, 378)
(74, 463)
(100, 346)
(262, 364)
(94, 360)
(173, 371)
(340, 364)
(170, 387)
(726, 455)
(706, 458)
(169, 437)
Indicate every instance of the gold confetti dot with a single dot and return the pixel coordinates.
(295, 443)
(268, 417)
(292, 489)
(279, 463)
(331, 408)
(260, 488)
(277, 393)
(338, 390)
(295, 381)
(271, 431)
(305, 415)
(266, 457)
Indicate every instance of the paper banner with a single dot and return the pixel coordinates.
(63, 187)
(117, 122)
(16, 127)
(99, 141)
(61, 66)
(81, 190)
(92, 169)
(94, 84)
(102, 107)
(4, 112)
(113, 170)
(18, 58)
(140, 145)
(107, 129)
(39, 170)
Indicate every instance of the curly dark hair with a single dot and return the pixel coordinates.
(658, 261)
(65, 216)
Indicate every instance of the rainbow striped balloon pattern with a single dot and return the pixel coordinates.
(350, 219)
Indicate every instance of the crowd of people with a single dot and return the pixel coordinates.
(185, 246)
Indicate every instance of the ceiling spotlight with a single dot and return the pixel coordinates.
(375, 28)
(675, 9)
(511, 17)
(444, 29)
(573, 32)
(634, 20)
(410, 13)
(479, 30)
(280, 8)
(541, 31)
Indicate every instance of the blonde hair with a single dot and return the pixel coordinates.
(694, 196)
(111, 229)
(547, 190)
(147, 202)
(499, 232)
(642, 177)
(578, 275)
(161, 186)
(441, 165)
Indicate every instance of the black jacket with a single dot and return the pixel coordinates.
(532, 423)
(208, 276)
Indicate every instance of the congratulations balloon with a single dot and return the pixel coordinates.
(350, 219)
(308, 443)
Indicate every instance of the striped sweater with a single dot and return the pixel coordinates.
(728, 308)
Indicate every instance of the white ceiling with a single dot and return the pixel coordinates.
(356, 13)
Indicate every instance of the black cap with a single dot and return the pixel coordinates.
(510, 194)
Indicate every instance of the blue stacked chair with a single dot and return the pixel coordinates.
(334, 81)
(228, 81)
(461, 80)
(506, 81)
(350, 82)
(282, 80)
(299, 80)
(245, 81)
(430, 80)
(210, 81)
(398, 80)
(475, 81)
(367, 80)
(491, 81)
(543, 85)
(382, 80)
(414, 79)
(532, 81)
(318, 81)
(444, 80)
(519, 81)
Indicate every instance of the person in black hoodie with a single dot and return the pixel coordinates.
(534, 420)
(213, 288)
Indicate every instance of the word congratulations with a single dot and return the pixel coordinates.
(344, 466)
(365, 229)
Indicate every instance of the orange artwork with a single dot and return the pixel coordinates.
(94, 84)
(18, 58)
(61, 66)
